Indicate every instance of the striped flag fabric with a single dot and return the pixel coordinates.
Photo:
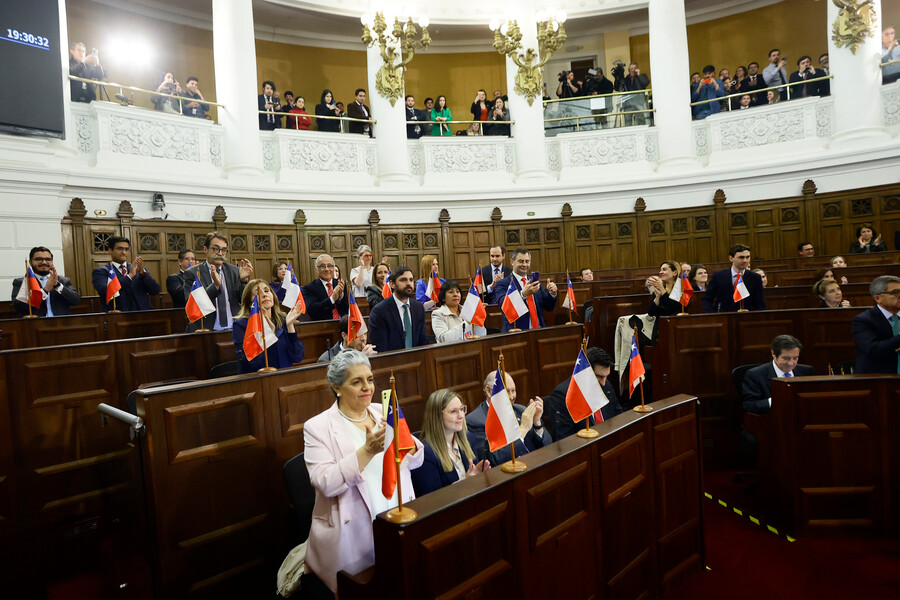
(113, 286)
(356, 325)
(513, 304)
(30, 291)
(585, 396)
(740, 290)
(404, 440)
(473, 309)
(501, 427)
(253, 343)
(478, 284)
(635, 366)
(386, 289)
(198, 303)
(433, 288)
(683, 290)
(292, 293)
(569, 302)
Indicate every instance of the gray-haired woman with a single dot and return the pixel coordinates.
(344, 451)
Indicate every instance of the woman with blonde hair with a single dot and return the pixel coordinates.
(829, 292)
(288, 350)
(448, 444)
(427, 266)
(660, 287)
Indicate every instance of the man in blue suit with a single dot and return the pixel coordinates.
(719, 296)
(399, 321)
(137, 284)
(536, 298)
(494, 272)
(877, 331)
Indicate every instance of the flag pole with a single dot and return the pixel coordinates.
(473, 336)
(203, 328)
(401, 514)
(25, 282)
(511, 466)
(587, 432)
(643, 408)
(114, 305)
(262, 318)
(742, 309)
(571, 322)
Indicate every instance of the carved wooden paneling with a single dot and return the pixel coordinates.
(461, 373)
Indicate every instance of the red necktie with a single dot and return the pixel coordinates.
(334, 311)
(124, 271)
(532, 309)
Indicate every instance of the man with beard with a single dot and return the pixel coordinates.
(59, 293)
(398, 322)
(754, 81)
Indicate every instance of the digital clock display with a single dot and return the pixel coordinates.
(28, 39)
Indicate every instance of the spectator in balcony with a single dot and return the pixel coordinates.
(413, 131)
(499, 94)
(426, 116)
(441, 113)
(635, 81)
(473, 129)
(168, 85)
(889, 51)
(727, 84)
(269, 103)
(327, 108)
(596, 84)
(773, 97)
(868, 241)
(194, 108)
(709, 88)
(302, 121)
(805, 72)
(481, 108)
(86, 67)
(499, 113)
(288, 103)
(568, 87)
(754, 81)
(825, 84)
(344, 124)
(744, 102)
(359, 110)
(737, 86)
(699, 277)
(774, 73)
(695, 82)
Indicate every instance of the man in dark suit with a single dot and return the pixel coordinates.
(224, 283)
(399, 321)
(494, 272)
(358, 110)
(536, 299)
(137, 284)
(326, 297)
(719, 296)
(805, 72)
(531, 425)
(358, 344)
(178, 287)
(413, 132)
(558, 418)
(877, 331)
(269, 102)
(59, 293)
(757, 398)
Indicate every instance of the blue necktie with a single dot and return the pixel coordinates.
(895, 327)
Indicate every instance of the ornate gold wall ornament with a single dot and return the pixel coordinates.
(854, 23)
(389, 78)
(551, 36)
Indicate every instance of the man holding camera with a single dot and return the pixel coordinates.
(87, 67)
(194, 108)
(568, 87)
(805, 71)
(596, 84)
(774, 73)
(269, 102)
(635, 81)
(707, 88)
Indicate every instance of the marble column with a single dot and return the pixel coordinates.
(392, 153)
(234, 51)
(669, 66)
(856, 87)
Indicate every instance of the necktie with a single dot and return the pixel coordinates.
(407, 326)
(532, 309)
(271, 117)
(221, 306)
(496, 270)
(895, 328)
(781, 76)
(123, 269)
(47, 299)
(790, 374)
(334, 311)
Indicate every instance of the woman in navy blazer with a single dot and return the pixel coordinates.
(448, 446)
(288, 350)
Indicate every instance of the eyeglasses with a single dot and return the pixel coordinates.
(455, 412)
(894, 293)
(324, 267)
(42, 260)
(219, 250)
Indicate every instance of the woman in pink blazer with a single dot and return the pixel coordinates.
(344, 450)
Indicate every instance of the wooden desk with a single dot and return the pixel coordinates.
(614, 517)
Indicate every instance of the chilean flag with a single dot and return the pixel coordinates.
(292, 294)
(386, 290)
(478, 284)
(356, 325)
(585, 396)
(683, 290)
(253, 345)
(405, 443)
(30, 291)
(740, 290)
(473, 309)
(198, 304)
(569, 302)
(501, 425)
(434, 287)
(635, 366)
(513, 304)
(113, 286)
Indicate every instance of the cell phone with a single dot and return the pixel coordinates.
(535, 276)
(95, 52)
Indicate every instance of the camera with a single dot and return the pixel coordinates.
(563, 75)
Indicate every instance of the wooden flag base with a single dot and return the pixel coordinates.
(682, 314)
(588, 433)
(30, 316)
(474, 337)
(202, 330)
(401, 515)
(743, 310)
(514, 330)
(642, 408)
(113, 311)
(571, 322)
(513, 466)
(267, 370)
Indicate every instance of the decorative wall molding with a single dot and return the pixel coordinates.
(890, 95)
(608, 147)
(464, 155)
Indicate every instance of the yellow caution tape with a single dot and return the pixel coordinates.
(752, 519)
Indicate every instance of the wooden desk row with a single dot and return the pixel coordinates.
(696, 354)
(614, 517)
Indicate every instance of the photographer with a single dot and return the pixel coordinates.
(635, 81)
(567, 87)
(269, 103)
(805, 71)
(707, 88)
(596, 84)
(86, 67)
(168, 85)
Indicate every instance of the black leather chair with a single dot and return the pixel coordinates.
(301, 491)
(226, 369)
(748, 443)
